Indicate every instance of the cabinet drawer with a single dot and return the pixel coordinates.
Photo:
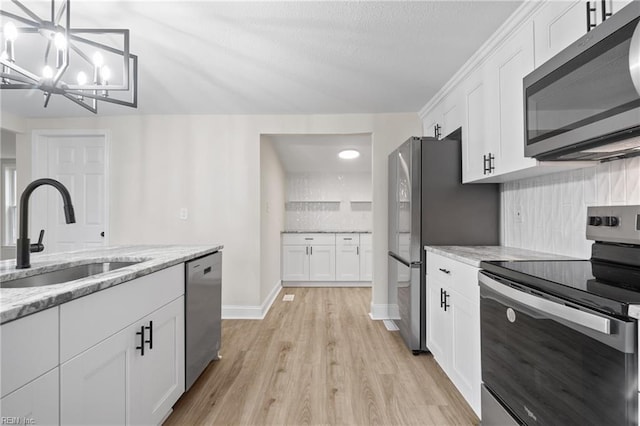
(347, 240)
(366, 239)
(87, 321)
(308, 239)
(29, 348)
(462, 277)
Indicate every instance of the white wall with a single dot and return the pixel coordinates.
(272, 197)
(7, 155)
(342, 216)
(211, 165)
(554, 207)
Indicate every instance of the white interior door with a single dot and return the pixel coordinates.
(80, 161)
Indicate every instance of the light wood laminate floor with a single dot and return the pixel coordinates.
(320, 360)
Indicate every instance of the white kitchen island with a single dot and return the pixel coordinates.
(108, 348)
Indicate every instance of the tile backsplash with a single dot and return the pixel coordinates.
(548, 213)
(328, 202)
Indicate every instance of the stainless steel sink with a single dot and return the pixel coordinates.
(64, 275)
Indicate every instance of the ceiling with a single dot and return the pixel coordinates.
(319, 153)
(298, 57)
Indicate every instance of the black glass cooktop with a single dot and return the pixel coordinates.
(604, 286)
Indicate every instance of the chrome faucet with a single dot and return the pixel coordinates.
(24, 247)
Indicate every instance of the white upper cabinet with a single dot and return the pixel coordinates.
(486, 97)
(445, 117)
(557, 25)
(560, 23)
(475, 146)
(506, 69)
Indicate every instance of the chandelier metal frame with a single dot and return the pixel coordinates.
(14, 76)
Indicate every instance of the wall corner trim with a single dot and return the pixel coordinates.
(252, 312)
(379, 312)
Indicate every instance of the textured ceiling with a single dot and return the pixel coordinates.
(283, 57)
(319, 153)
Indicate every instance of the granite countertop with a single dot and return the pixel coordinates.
(473, 255)
(19, 302)
(326, 232)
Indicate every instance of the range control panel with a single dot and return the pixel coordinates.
(614, 224)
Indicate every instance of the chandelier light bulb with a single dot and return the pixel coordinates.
(105, 72)
(82, 78)
(47, 72)
(60, 41)
(10, 31)
(98, 60)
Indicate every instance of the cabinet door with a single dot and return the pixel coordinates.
(94, 385)
(438, 324)
(347, 263)
(366, 262)
(508, 66)
(157, 378)
(464, 368)
(474, 138)
(322, 263)
(295, 263)
(557, 25)
(37, 401)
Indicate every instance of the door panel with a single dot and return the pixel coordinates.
(94, 385)
(157, 378)
(295, 263)
(322, 263)
(80, 163)
(348, 263)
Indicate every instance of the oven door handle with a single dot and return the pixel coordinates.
(585, 319)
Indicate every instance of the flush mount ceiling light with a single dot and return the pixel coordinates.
(349, 154)
(47, 53)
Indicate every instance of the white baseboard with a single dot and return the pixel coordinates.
(252, 312)
(384, 312)
(326, 284)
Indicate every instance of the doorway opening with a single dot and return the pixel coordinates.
(306, 188)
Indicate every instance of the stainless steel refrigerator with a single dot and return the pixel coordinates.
(429, 205)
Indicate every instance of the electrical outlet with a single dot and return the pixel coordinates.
(184, 213)
(518, 214)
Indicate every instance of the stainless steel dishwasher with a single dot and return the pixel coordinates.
(203, 312)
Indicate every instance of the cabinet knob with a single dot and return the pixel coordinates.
(446, 271)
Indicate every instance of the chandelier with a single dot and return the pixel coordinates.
(46, 53)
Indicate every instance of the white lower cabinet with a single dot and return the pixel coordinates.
(366, 257)
(33, 403)
(322, 263)
(453, 323)
(347, 263)
(29, 369)
(115, 382)
(325, 257)
(295, 263)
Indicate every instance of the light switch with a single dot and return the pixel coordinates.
(184, 213)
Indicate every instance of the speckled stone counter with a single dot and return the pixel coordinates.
(19, 302)
(473, 255)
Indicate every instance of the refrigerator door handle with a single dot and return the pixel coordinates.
(399, 259)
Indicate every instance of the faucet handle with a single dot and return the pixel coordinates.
(37, 247)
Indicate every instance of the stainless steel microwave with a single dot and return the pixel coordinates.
(584, 103)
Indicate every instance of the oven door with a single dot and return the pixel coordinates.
(548, 362)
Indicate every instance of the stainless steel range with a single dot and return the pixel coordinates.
(560, 338)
